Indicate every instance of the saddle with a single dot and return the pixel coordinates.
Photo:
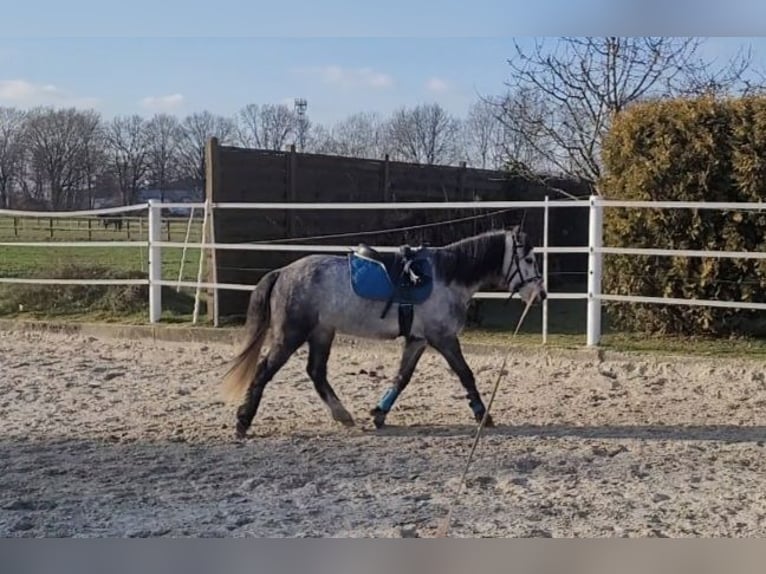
(404, 278)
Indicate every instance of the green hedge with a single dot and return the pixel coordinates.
(704, 149)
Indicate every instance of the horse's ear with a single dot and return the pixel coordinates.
(523, 217)
(515, 231)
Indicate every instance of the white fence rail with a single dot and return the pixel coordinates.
(595, 250)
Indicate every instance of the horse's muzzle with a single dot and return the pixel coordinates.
(532, 291)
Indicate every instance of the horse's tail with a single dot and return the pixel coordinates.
(239, 375)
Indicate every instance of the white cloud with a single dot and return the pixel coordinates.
(437, 85)
(352, 77)
(23, 93)
(163, 103)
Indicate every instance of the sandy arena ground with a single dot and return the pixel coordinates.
(107, 437)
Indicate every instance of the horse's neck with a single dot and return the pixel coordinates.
(483, 268)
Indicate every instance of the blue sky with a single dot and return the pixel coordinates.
(337, 76)
(145, 56)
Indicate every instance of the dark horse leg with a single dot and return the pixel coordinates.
(449, 347)
(413, 350)
(320, 343)
(285, 344)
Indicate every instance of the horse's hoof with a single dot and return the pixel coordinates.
(241, 432)
(489, 423)
(378, 418)
(344, 418)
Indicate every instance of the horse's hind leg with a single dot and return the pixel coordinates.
(284, 345)
(413, 350)
(320, 342)
(449, 347)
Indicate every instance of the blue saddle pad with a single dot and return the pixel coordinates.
(370, 279)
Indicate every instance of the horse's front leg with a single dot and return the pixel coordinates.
(413, 350)
(449, 347)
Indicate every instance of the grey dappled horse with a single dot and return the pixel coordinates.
(315, 297)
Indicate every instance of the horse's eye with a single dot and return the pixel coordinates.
(530, 260)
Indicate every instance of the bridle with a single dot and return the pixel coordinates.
(514, 268)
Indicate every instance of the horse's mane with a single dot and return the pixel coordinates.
(471, 260)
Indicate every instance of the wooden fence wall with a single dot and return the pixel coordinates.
(250, 175)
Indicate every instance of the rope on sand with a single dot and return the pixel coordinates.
(443, 529)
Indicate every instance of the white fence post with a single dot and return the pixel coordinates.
(595, 237)
(155, 261)
(546, 215)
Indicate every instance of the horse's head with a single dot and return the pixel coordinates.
(520, 272)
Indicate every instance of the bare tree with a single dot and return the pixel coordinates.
(424, 134)
(94, 163)
(11, 153)
(196, 130)
(58, 140)
(702, 76)
(359, 135)
(482, 134)
(127, 145)
(278, 122)
(318, 139)
(248, 126)
(266, 127)
(526, 152)
(581, 83)
(164, 135)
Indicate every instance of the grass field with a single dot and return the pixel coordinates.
(566, 329)
(92, 262)
(30, 261)
(129, 304)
